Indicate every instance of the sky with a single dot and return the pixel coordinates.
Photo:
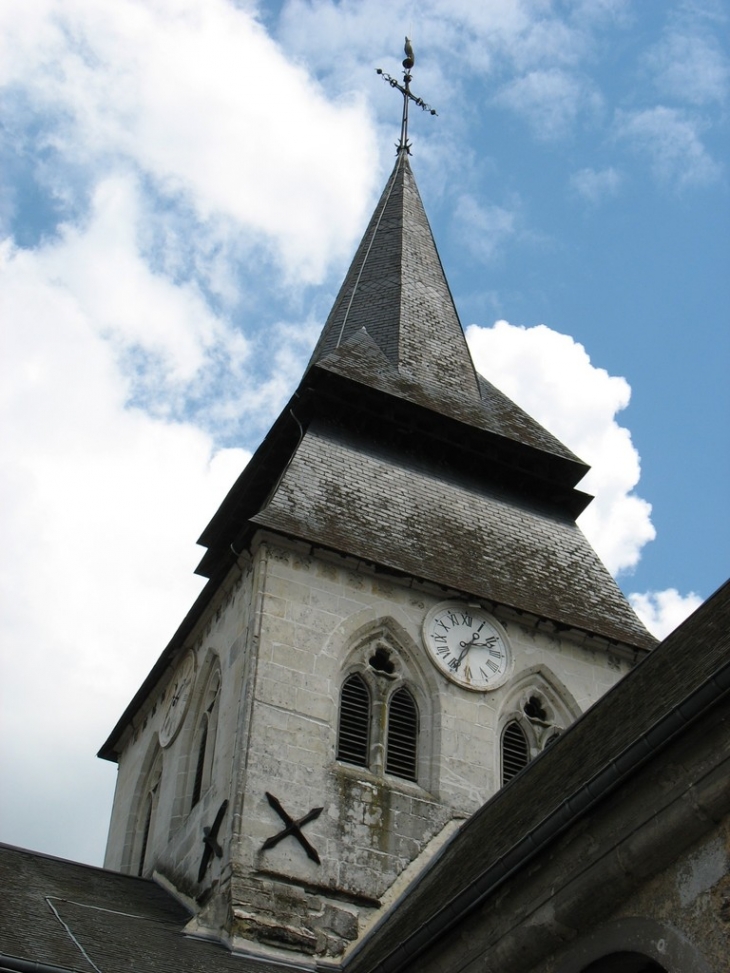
(182, 186)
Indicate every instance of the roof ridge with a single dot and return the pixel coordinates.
(386, 197)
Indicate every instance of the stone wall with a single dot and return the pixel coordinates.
(286, 629)
(322, 616)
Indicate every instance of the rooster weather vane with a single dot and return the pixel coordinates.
(408, 96)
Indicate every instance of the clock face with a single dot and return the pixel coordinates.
(467, 646)
(182, 688)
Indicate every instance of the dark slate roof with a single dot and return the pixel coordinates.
(686, 674)
(396, 289)
(397, 292)
(420, 518)
(361, 360)
(64, 914)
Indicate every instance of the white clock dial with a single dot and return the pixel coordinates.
(467, 645)
(182, 688)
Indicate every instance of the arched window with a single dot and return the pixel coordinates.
(147, 810)
(353, 733)
(515, 751)
(386, 721)
(536, 712)
(206, 731)
(401, 751)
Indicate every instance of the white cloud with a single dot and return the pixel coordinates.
(484, 228)
(689, 67)
(595, 185)
(118, 293)
(551, 376)
(598, 12)
(670, 139)
(663, 611)
(101, 507)
(202, 101)
(550, 100)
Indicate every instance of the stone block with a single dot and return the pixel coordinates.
(247, 925)
(340, 921)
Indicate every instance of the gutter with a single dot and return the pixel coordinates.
(15, 965)
(587, 796)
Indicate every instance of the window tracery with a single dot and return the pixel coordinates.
(535, 713)
(380, 709)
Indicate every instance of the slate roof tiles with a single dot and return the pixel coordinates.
(77, 917)
(419, 520)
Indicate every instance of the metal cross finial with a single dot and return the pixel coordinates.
(408, 96)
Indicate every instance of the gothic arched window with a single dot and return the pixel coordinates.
(401, 752)
(536, 712)
(149, 797)
(206, 731)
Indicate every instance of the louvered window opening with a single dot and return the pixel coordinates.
(200, 766)
(353, 734)
(402, 747)
(515, 752)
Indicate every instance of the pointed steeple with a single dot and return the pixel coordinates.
(394, 326)
(396, 290)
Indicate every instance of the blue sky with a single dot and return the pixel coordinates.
(182, 185)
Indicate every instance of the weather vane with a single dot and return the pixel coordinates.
(408, 96)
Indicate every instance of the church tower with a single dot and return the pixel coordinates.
(400, 614)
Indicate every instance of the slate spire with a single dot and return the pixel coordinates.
(396, 290)
(394, 327)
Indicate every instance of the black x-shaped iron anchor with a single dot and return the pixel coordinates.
(210, 842)
(292, 827)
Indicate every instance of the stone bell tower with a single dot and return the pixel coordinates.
(400, 613)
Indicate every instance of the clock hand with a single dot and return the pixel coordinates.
(455, 665)
(465, 646)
